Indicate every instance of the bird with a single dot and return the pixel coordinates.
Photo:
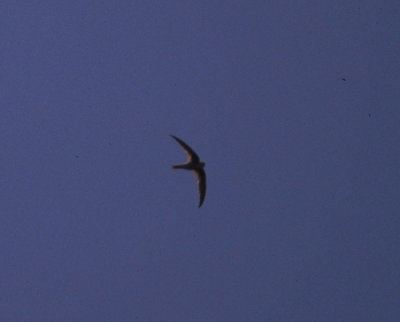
(194, 164)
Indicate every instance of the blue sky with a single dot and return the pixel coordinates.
(294, 107)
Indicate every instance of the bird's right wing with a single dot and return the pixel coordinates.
(201, 182)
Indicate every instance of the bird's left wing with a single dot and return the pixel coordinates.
(193, 157)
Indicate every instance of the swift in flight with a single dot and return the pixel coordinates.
(194, 164)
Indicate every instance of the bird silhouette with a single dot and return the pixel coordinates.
(194, 164)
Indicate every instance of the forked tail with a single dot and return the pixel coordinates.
(180, 166)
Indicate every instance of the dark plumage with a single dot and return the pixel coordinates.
(195, 165)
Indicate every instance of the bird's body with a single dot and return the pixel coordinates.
(194, 164)
(190, 166)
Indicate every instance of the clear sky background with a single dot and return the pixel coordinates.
(293, 105)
